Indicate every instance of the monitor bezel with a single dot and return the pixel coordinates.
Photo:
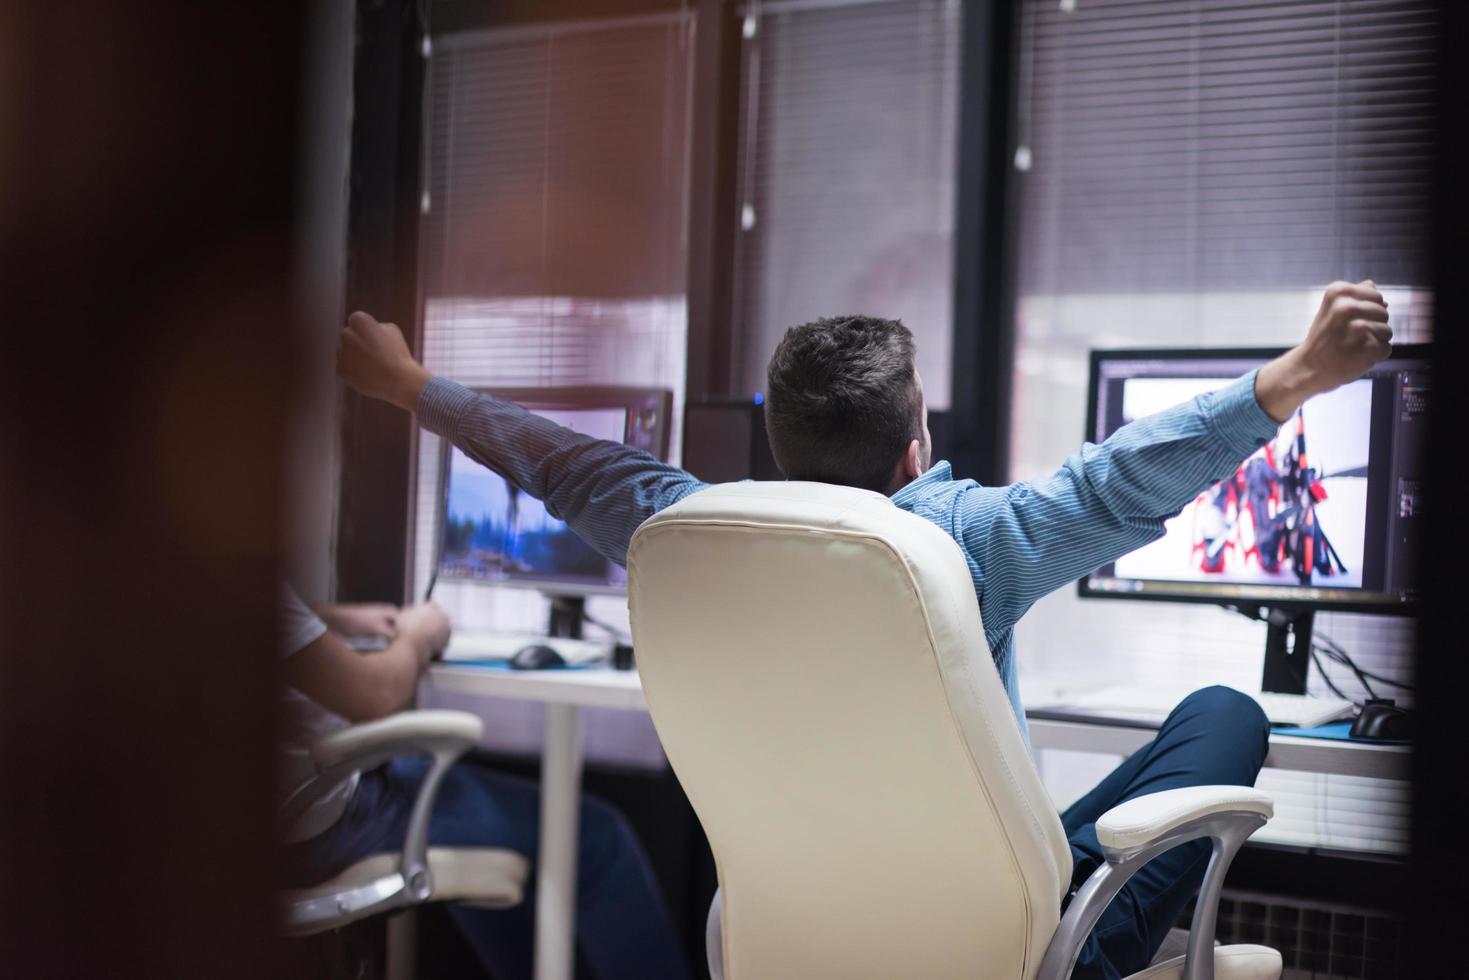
(1389, 606)
(573, 397)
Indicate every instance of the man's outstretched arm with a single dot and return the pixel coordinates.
(1033, 538)
(603, 489)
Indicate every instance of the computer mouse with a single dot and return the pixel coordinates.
(537, 656)
(1381, 718)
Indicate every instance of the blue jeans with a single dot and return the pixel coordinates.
(623, 929)
(1216, 736)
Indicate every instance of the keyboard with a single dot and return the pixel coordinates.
(1154, 704)
(1302, 710)
(503, 646)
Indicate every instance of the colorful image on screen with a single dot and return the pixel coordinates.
(493, 530)
(1293, 513)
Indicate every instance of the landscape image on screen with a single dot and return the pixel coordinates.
(1293, 513)
(493, 530)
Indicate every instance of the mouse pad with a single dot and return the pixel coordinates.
(505, 665)
(1339, 730)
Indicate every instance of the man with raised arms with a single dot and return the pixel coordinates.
(845, 405)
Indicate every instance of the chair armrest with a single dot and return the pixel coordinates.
(338, 755)
(1129, 826)
(363, 746)
(1135, 832)
(443, 735)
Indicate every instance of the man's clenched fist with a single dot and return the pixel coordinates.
(1348, 336)
(373, 358)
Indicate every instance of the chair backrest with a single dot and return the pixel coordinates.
(815, 664)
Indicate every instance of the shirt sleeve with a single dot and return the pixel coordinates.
(299, 626)
(603, 489)
(1032, 538)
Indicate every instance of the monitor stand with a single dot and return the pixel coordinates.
(568, 612)
(1287, 650)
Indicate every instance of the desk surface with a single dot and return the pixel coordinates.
(622, 689)
(1335, 757)
(587, 687)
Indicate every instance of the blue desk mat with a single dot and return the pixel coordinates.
(1338, 730)
(505, 665)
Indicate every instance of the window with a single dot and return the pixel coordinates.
(848, 122)
(553, 253)
(1192, 174)
(553, 231)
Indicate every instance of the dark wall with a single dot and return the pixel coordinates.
(146, 175)
(1439, 864)
(382, 278)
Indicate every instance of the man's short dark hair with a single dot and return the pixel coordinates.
(843, 401)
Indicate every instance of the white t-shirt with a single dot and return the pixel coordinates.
(303, 721)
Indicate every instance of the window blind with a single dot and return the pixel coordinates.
(553, 253)
(554, 224)
(848, 123)
(1205, 144)
(552, 239)
(1191, 174)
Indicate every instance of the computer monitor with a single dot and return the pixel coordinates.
(1326, 516)
(491, 532)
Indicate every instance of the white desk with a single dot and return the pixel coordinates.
(1286, 751)
(564, 693)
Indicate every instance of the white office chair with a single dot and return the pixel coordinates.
(815, 665)
(485, 876)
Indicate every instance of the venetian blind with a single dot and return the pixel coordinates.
(552, 241)
(848, 121)
(1192, 172)
(1206, 144)
(553, 253)
(555, 203)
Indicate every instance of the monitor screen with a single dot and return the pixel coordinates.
(1326, 514)
(492, 532)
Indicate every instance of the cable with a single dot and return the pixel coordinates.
(1333, 651)
(1387, 680)
(1321, 669)
(1345, 662)
(1361, 671)
(616, 633)
(1342, 657)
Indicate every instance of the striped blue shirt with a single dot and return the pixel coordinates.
(1021, 541)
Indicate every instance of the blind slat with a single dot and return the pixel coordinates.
(847, 150)
(1243, 127)
(552, 250)
(1198, 170)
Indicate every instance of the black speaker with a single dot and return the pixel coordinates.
(724, 441)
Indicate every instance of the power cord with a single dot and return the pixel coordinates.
(1331, 650)
(607, 627)
(1321, 669)
(1336, 656)
(1334, 651)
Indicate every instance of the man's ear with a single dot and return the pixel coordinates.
(913, 460)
